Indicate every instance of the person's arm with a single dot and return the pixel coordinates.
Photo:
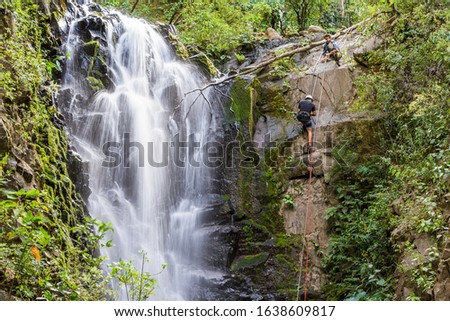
(313, 111)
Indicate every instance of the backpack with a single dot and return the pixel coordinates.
(304, 117)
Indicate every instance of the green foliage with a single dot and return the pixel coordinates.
(46, 245)
(361, 257)
(281, 68)
(59, 269)
(408, 160)
(215, 27)
(139, 285)
(421, 270)
(240, 58)
(289, 201)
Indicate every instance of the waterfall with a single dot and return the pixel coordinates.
(132, 134)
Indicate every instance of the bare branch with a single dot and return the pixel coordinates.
(190, 106)
(134, 6)
(207, 100)
(221, 92)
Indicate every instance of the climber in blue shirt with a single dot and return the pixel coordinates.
(330, 50)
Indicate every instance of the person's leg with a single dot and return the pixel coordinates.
(336, 59)
(310, 134)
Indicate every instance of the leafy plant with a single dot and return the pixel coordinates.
(138, 285)
(46, 246)
(240, 58)
(288, 200)
(404, 157)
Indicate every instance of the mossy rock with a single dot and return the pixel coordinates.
(288, 241)
(180, 49)
(206, 64)
(95, 84)
(245, 94)
(91, 48)
(256, 226)
(241, 100)
(249, 261)
(278, 106)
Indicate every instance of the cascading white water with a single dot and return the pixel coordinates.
(151, 207)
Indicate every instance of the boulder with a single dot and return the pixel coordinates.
(249, 261)
(316, 29)
(272, 34)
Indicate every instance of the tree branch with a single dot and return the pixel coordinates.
(134, 6)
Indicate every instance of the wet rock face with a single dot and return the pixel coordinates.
(78, 173)
(91, 60)
(91, 53)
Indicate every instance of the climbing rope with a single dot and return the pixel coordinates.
(306, 243)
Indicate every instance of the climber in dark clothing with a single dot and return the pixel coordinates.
(331, 50)
(306, 109)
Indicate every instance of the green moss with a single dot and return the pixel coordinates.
(241, 100)
(182, 51)
(95, 84)
(91, 48)
(206, 64)
(256, 225)
(288, 241)
(49, 216)
(226, 197)
(249, 261)
(254, 231)
(286, 260)
(244, 97)
(278, 106)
